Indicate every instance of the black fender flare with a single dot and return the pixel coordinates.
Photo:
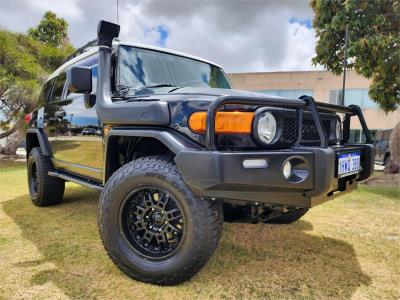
(42, 140)
(173, 140)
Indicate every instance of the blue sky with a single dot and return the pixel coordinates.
(163, 35)
(307, 22)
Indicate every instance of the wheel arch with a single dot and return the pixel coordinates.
(36, 138)
(124, 145)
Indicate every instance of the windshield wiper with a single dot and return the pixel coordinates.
(124, 90)
(155, 85)
(175, 88)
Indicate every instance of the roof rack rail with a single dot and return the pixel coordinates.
(81, 50)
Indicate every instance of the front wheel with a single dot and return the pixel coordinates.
(153, 227)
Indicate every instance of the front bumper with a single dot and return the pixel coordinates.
(222, 175)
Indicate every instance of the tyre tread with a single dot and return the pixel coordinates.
(50, 189)
(211, 217)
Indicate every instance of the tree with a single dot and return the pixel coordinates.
(24, 65)
(394, 145)
(52, 31)
(373, 44)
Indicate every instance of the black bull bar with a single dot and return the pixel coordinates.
(301, 104)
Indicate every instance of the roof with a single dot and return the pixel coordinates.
(94, 49)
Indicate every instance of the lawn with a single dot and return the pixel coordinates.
(347, 248)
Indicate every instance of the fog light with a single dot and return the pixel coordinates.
(287, 169)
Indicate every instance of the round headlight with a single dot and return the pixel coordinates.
(266, 128)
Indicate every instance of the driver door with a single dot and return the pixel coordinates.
(77, 144)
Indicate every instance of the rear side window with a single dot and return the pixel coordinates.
(58, 88)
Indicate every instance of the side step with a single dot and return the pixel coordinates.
(79, 180)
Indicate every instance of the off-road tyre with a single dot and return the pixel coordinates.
(386, 161)
(44, 190)
(204, 222)
(289, 217)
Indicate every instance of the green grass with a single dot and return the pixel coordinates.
(347, 248)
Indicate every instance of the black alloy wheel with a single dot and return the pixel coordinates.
(152, 222)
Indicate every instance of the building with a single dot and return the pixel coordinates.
(323, 86)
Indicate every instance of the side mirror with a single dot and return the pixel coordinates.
(79, 79)
(60, 114)
(89, 100)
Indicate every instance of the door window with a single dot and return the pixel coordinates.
(58, 88)
(45, 93)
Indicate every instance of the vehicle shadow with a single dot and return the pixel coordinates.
(279, 260)
(288, 261)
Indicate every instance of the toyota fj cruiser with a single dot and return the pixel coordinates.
(175, 152)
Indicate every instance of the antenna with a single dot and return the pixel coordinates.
(117, 13)
(346, 37)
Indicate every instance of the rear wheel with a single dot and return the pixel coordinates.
(43, 189)
(153, 227)
(386, 160)
(289, 217)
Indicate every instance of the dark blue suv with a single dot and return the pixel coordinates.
(175, 152)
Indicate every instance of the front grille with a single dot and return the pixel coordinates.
(309, 130)
(289, 130)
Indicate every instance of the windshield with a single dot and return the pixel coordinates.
(147, 71)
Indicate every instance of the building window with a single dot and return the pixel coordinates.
(288, 93)
(352, 96)
(357, 135)
(335, 96)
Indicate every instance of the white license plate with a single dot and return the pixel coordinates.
(348, 163)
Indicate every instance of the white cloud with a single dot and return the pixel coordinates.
(68, 9)
(19, 15)
(136, 27)
(300, 48)
(242, 36)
